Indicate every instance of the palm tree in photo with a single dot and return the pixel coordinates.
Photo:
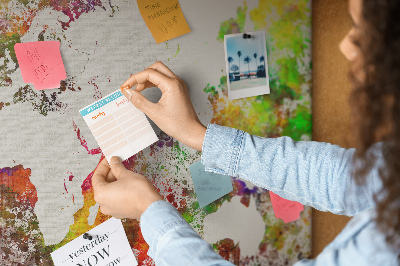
(239, 55)
(230, 60)
(255, 58)
(262, 59)
(234, 68)
(261, 68)
(247, 60)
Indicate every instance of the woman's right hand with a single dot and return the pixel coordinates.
(174, 112)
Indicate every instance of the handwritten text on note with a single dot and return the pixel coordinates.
(164, 18)
(209, 186)
(41, 63)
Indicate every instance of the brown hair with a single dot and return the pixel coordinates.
(376, 106)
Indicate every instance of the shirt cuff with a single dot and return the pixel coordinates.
(221, 150)
(158, 219)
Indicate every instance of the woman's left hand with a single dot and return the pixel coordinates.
(120, 192)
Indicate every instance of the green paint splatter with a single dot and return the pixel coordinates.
(177, 50)
(233, 25)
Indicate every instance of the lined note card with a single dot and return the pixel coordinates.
(118, 126)
(41, 63)
(209, 186)
(164, 18)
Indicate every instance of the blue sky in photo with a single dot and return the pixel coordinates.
(248, 47)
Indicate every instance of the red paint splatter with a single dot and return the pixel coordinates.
(87, 183)
(74, 8)
(229, 250)
(17, 180)
(97, 94)
(65, 187)
(171, 199)
(71, 176)
(84, 142)
(136, 240)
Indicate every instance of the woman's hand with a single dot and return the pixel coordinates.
(174, 112)
(122, 193)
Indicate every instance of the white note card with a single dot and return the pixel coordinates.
(108, 247)
(118, 126)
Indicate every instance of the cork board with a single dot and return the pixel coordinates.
(331, 89)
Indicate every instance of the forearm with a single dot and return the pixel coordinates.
(312, 173)
(172, 240)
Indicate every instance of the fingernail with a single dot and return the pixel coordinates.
(127, 93)
(115, 160)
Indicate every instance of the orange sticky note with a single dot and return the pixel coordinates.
(41, 63)
(164, 18)
(284, 209)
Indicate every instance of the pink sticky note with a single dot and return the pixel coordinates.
(41, 63)
(284, 209)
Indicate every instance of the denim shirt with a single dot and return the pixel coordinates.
(312, 173)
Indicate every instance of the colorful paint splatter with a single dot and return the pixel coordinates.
(286, 111)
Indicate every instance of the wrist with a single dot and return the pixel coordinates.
(198, 136)
(148, 203)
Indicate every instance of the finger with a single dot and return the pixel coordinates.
(117, 167)
(159, 80)
(142, 86)
(100, 174)
(104, 210)
(140, 102)
(160, 67)
(110, 177)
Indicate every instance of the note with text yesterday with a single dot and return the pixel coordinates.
(164, 18)
(118, 126)
(209, 186)
(108, 246)
(41, 63)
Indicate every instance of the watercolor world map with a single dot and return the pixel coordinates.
(48, 155)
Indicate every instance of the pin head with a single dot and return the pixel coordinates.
(246, 36)
(87, 236)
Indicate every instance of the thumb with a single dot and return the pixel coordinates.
(117, 167)
(138, 100)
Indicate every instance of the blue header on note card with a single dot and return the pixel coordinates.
(102, 102)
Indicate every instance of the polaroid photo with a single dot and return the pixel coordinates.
(246, 64)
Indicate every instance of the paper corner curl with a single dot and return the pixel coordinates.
(284, 209)
(41, 63)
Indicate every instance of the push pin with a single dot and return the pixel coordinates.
(246, 36)
(87, 236)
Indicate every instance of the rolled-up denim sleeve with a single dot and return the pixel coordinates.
(172, 240)
(312, 173)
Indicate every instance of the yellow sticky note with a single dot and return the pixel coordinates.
(164, 18)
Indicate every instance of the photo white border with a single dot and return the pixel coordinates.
(248, 92)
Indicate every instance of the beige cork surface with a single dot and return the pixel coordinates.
(331, 89)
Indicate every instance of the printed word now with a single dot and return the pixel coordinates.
(95, 258)
(89, 246)
(110, 247)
